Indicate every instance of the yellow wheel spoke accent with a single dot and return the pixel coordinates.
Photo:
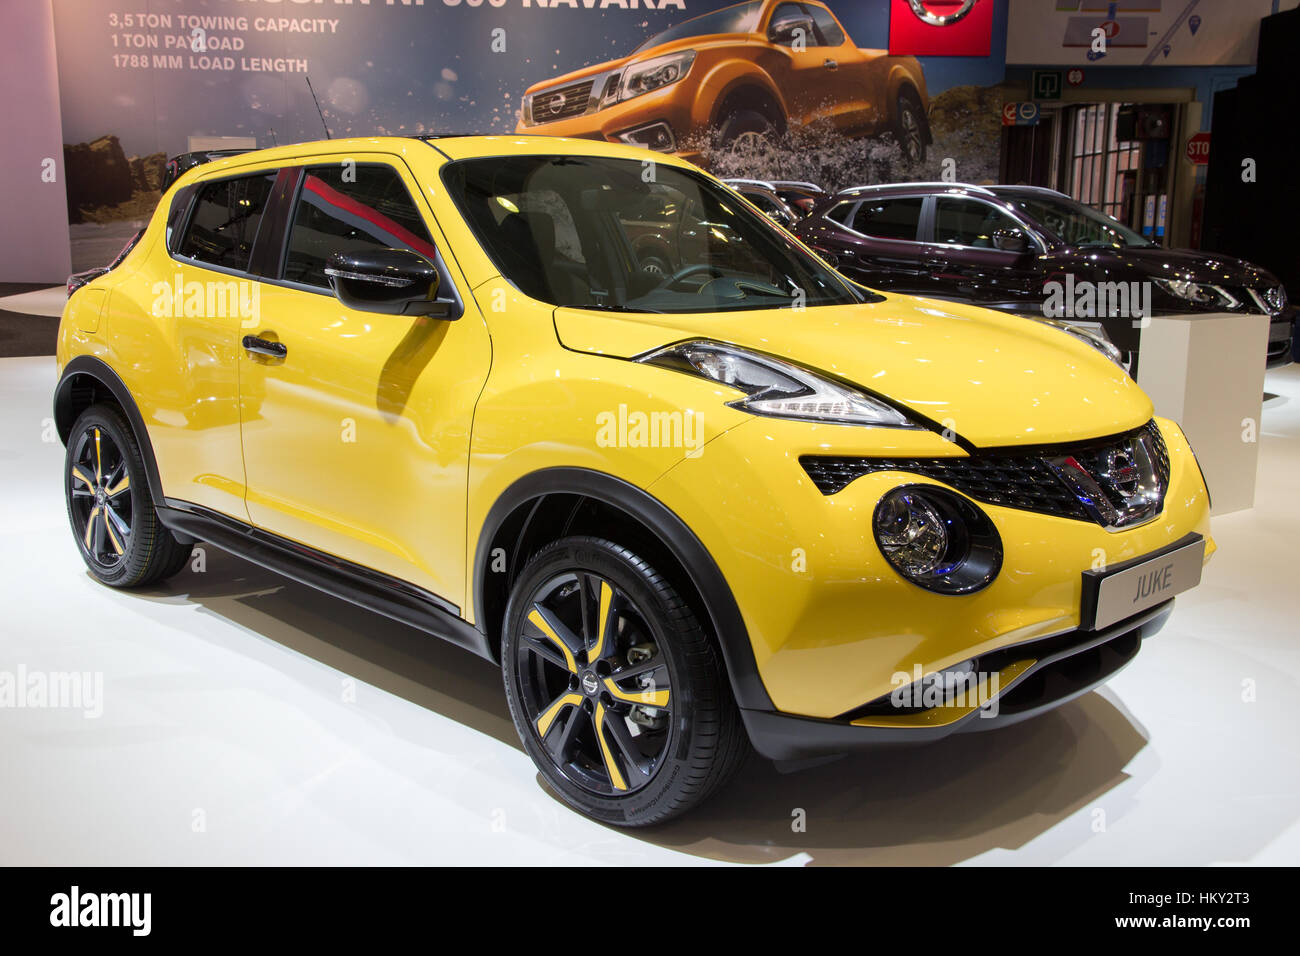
(615, 777)
(539, 622)
(548, 716)
(646, 698)
(112, 535)
(120, 487)
(81, 477)
(99, 459)
(90, 526)
(602, 622)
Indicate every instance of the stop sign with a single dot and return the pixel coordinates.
(1198, 149)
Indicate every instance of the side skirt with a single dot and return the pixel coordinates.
(370, 589)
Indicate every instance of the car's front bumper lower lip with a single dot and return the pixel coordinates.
(1062, 668)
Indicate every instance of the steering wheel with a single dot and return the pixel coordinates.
(681, 275)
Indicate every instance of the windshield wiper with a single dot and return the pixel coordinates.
(600, 307)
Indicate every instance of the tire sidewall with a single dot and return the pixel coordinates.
(603, 558)
(118, 432)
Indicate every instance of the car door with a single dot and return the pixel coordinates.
(969, 257)
(356, 438)
(806, 70)
(184, 352)
(881, 246)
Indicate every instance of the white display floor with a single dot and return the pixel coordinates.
(247, 719)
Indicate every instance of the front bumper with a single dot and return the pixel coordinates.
(829, 621)
(671, 104)
(1043, 675)
(1281, 331)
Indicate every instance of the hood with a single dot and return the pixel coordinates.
(994, 379)
(1188, 264)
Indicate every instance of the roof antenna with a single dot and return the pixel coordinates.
(318, 109)
(274, 141)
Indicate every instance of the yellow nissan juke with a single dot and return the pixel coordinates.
(718, 498)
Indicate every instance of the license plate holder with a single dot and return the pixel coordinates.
(1114, 593)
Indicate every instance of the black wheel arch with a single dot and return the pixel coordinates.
(88, 380)
(550, 503)
(746, 94)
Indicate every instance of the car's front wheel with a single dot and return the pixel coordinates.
(117, 530)
(617, 692)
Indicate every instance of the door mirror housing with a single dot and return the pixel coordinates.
(389, 281)
(787, 30)
(1010, 240)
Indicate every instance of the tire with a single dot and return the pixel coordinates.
(110, 509)
(745, 131)
(911, 128)
(634, 754)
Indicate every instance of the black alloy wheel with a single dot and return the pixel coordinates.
(110, 509)
(617, 693)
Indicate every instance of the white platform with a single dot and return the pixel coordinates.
(224, 692)
(1204, 372)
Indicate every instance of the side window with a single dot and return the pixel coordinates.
(346, 208)
(224, 223)
(786, 19)
(831, 34)
(181, 200)
(969, 222)
(889, 218)
(842, 211)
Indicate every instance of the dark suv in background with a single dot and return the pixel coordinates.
(1001, 246)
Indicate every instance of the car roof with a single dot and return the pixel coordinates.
(1028, 190)
(886, 188)
(451, 146)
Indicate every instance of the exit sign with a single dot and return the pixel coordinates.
(1047, 84)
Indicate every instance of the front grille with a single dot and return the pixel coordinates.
(1008, 478)
(558, 104)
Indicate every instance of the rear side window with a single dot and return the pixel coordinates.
(889, 218)
(347, 208)
(831, 34)
(225, 220)
(969, 222)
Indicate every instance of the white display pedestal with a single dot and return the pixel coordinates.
(1206, 372)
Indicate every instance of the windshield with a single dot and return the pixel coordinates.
(742, 18)
(592, 233)
(1076, 224)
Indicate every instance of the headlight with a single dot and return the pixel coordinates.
(655, 73)
(1100, 343)
(937, 539)
(777, 388)
(1201, 293)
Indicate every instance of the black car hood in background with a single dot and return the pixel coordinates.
(1157, 263)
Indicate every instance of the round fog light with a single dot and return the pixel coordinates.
(937, 539)
(911, 534)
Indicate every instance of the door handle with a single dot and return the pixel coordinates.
(831, 64)
(260, 346)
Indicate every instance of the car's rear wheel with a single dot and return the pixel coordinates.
(617, 693)
(111, 512)
(910, 126)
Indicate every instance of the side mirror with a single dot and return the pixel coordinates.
(390, 281)
(1010, 240)
(787, 30)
